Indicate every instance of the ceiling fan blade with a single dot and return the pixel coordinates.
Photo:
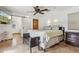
(36, 7)
(45, 10)
(41, 13)
(35, 13)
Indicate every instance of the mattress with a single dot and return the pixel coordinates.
(53, 33)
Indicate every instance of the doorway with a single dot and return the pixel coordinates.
(35, 24)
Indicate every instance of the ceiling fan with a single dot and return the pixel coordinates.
(38, 10)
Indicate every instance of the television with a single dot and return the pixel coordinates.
(4, 18)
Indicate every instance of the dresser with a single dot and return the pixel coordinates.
(72, 37)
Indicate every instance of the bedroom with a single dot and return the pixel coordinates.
(22, 21)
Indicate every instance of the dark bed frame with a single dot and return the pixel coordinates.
(31, 41)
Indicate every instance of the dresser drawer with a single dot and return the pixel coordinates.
(72, 38)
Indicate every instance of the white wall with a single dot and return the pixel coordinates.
(18, 24)
(26, 24)
(5, 27)
(62, 18)
(8, 29)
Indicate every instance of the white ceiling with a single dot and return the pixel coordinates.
(28, 9)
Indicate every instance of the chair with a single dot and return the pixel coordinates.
(31, 41)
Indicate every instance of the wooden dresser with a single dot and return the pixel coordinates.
(72, 38)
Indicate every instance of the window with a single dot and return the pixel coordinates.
(73, 21)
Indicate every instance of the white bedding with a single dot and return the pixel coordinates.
(46, 36)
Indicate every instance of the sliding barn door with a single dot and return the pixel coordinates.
(35, 24)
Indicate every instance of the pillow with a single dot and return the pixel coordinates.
(47, 28)
(55, 27)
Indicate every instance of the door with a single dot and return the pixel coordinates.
(35, 24)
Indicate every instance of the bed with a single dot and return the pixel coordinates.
(48, 38)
